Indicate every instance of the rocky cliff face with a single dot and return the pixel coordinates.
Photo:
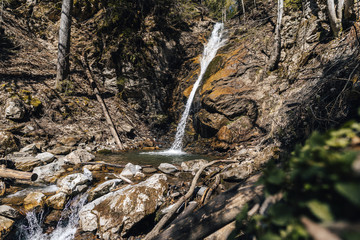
(241, 106)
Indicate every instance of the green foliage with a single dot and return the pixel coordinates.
(318, 182)
(293, 4)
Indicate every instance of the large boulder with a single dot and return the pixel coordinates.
(49, 173)
(6, 225)
(113, 214)
(15, 109)
(79, 156)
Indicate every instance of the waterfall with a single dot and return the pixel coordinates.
(215, 42)
(65, 229)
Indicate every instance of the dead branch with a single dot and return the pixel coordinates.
(219, 212)
(155, 231)
(101, 101)
(10, 173)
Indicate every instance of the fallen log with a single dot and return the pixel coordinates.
(219, 212)
(10, 173)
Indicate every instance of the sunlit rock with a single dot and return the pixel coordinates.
(34, 200)
(57, 201)
(15, 109)
(73, 183)
(51, 172)
(113, 214)
(193, 165)
(130, 170)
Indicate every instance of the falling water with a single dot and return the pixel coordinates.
(65, 229)
(215, 42)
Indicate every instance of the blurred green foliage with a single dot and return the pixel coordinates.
(319, 181)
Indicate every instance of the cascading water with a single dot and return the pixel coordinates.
(210, 49)
(65, 229)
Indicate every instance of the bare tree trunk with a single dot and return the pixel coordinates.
(10, 173)
(102, 103)
(64, 42)
(275, 56)
(335, 16)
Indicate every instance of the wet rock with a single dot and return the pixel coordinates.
(51, 172)
(116, 212)
(57, 201)
(31, 148)
(74, 183)
(193, 165)
(53, 217)
(130, 170)
(6, 225)
(167, 168)
(27, 163)
(8, 142)
(103, 189)
(79, 156)
(34, 200)
(9, 212)
(45, 157)
(15, 109)
(96, 167)
(239, 171)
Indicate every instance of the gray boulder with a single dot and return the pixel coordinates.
(27, 163)
(74, 183)
(113, 214)
(193, 165)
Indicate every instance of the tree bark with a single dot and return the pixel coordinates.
(219, 212)
(64, 42)
(275, 56)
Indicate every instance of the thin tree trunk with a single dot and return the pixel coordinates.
(275, 56)
(64, 42)
(10, 173)
(102, 103)
(335, 21)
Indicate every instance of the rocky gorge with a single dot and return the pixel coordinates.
(145, 68)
